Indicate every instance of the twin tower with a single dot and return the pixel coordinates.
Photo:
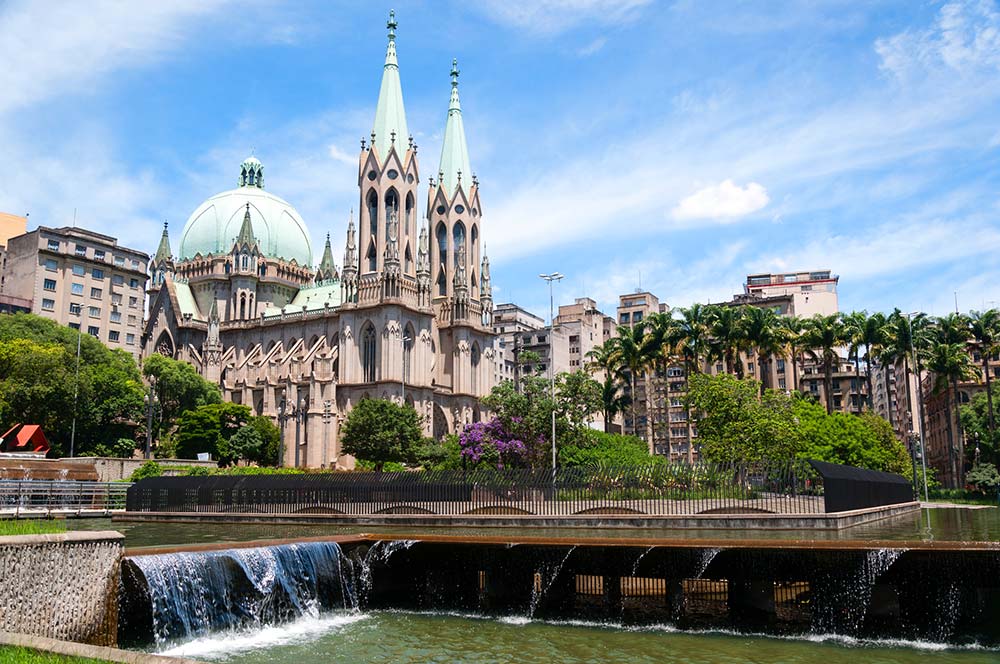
(391, 249)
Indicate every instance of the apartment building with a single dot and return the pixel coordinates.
(11, 225)
(82, 279)
(812, 292)
(510, 319)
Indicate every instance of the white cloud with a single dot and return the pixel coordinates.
(339, 155)
(48, 48)
(593, 47)
(725, 200)
(554, 16)
(965, 38)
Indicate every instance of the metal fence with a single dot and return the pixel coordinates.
(44, 498)
(787, 487)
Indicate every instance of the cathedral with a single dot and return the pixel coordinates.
(407, 317)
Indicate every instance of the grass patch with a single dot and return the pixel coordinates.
(30, 527)
(15, 655)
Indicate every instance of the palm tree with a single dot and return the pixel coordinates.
(690, 342)
(728, 337)
(953, 329)
(630, 353)
(823, 336)
(658, 347)
(603, 359)
(765, 335)
(951, 363)
(902, 334)
(794, 343)
(985, 329)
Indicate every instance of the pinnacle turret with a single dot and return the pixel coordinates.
(327, 270)
(390, 116)
(246, 236)
(163, 251)
(454, 150)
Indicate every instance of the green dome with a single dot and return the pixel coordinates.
(213, 227)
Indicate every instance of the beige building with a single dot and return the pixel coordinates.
(508, 321)
(82, 279)
(812, 293)
(11, 225)
(408, 317)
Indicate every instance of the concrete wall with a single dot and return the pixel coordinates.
(62, 586)
(110, 469)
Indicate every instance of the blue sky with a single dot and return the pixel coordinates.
(689, 142)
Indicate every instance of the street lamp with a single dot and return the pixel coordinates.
(920, 403)
(151, 402)
(555, 276)
(327, 405)
(76, 388)
(402, 383)
(299, 416)
(282, 416)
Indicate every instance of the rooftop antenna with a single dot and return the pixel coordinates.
(74, 217)
(956, 302)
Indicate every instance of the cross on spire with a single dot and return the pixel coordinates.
(392, 25)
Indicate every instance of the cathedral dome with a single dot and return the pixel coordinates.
(278, 228)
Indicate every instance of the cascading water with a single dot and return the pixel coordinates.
(193, 593)
(538, 591)
(707, 556)
(378, 553)
(847, 598)
(635, 565)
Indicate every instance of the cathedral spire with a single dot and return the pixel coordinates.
(246, 236)
(163, 251)
(390, 116)
(454, 151)
(327, 270)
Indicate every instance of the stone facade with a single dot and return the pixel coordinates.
(407, 317)
(62, 586)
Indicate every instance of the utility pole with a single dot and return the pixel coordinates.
(920, 402)
(282, 416)
(298, 430)
(76, 385)
(555, 276)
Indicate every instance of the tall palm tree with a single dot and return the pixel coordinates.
(765, 335)
(950, 363)
(603, 359)
(854, 323)
(985, 330)
(658, 348)
(631, 354)
(794, 344)
(902, 335)
(823, 336)
(953, 329)
(691, 343)
(728, 337)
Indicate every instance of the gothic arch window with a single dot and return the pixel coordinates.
(243, 177)
(408, 338)
(250, 177)
(442, 239)
(473, 284)
(475, 368)
(409, 211)
(458, 235)
(442, 283)
(373, 213)
(372, 257)
(250, 306)
(245, 261)
(407, 258)
(243, 307)
(474, 235)
(369, 339)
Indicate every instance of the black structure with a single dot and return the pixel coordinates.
(786, 487)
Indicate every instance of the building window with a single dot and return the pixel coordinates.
(624, 318)
(131, 320)
(780, 366)
(119, 261)
(133, 302)
(133, 283)
(97, 273)
(78, 271)
(116, 317)
(98, 255)
(51, 264)
(781, 383)
(117, 280)
(96, 293)
(75, 326)
(49, 284)
(95, 312)
(53, 245)
(76, 289)
(130, 339)
(93, 331)
(81, 250)
(48, 305)
(113, 335)
(368, 354)
(75, 309)
(116, 299)
(135, 264)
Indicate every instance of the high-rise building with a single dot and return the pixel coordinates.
(508, 320)
(11, 226)
(408, 317)
(812, 292)
(82, 279)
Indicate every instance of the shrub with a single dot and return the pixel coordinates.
(148, 469)
(596, 448)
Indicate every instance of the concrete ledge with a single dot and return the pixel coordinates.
(71, 649)
(70, 536)
(832, 521)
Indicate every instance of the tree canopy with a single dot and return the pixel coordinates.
(179, 387)
(381, 431)
(209, 429)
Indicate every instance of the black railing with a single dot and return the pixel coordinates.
(788, 487)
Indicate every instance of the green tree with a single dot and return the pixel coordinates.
(633, 353)
(208, 429)
(179, 387)
(950, 364)
(766, 336)
(985, 330)
(795, 344)
(270, 436)
(578, 396)
(728, 337)
(39, 377)
(595, 448)
(381, 431)
(602, 360)
(823, 335)
(245, 444)
(975, 418)
(528, 413)
(865, 441)
(736, 423)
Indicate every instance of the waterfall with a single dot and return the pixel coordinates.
(538, 591)
(378, 553)
(635, 565)
(193, 593)
(707, 556)
(846, 596)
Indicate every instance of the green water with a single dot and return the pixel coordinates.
(409, 637)
(936, 524)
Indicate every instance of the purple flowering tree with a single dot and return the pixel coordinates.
(491, 443)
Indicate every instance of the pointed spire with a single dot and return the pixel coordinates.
(327, 270)
(246, 236)
(163, 251)
(351, 251)
(454, 151)
(213, 325)
(390, 116)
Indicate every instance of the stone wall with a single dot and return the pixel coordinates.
(110, 469)
(62, 586)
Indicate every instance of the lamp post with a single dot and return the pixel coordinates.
(402, 382)
(326, 423)
(555, 276)
(299, 416)
(76, 391)
(150, 405)
(920, 402)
